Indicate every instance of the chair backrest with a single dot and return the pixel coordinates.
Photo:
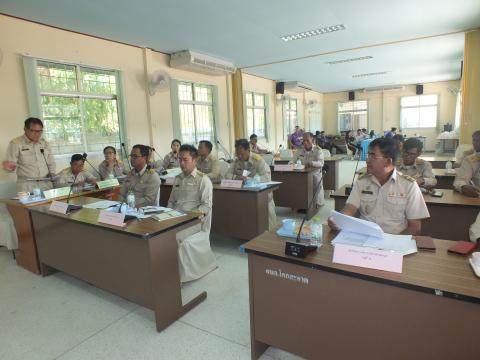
(268, 159)
(462, 151)
(326, 153)
(223, 168)
(286, 154)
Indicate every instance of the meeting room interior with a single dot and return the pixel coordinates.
(267, 180)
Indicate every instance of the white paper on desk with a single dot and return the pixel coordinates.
(268, 183)
(102, 204)
(245, 173)
(403, 244)
(356, 225)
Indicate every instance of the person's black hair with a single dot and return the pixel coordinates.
(253, 136)
(372, 133)
(412, 143)
(76, 157)
(111, 148)
(176, 141)
(317, 132)
(32, 121)
(394, 129)
(476, 133)
(388, 147)
(191, 149)
(242, 143)
(398, 138)
(208, 144)
(144, 149)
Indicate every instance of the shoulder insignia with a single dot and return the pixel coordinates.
(363, 175)
(408, 177)
(473, 158)
(65, 171)
(17, 140)
(256, 157)
(398, 163)
(468, 152)
(151, 171)
(419, 161)
(119, 162)
(200, 173)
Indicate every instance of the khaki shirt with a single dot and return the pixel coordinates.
(255, 166)
(390, 205)
(313, 157)
(421, 169)
(193, 192)
(258, 149)
(66, 178)
(145, 186)
(475, 230)
(171, 161)
(118, 169)
(468, 172)
(28, 157)
(210, 166)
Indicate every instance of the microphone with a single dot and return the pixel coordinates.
(46, 163)
(348, 189)
(71, 208)
(229, 160)
(296, 248)
(88, 162)
(126, 157)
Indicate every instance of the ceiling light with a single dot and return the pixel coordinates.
(348, 60)
(369, 74)
(315, 32)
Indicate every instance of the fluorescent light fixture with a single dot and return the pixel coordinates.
(310, 33)
(369, 74)
(348, 60)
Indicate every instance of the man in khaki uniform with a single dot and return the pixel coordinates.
(411, 165)
(246, 166)
(384, 196)
(111, 166)
(75, 174)
(207, 163)
(467, 180)
(193, 191)
(255, 148)
(25, 155)
(142, 181)
(170, 160)
(312, 157)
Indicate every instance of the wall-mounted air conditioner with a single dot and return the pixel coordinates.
(205, 64)
(296, 86)
(384, 88)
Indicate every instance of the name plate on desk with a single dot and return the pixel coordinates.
(59, 207)
(107, 183)
(283, 167)
(237, 184)
(53, 193)
(368, 258)
(111, 218)
(169, 180)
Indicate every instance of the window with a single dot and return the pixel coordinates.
(290, 115)
(352, 115)
(196, 112)
(79, 107)
(256, 112)
(418, 111)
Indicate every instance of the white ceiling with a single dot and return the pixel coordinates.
(248, 33)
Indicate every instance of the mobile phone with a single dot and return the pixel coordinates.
(437, 193)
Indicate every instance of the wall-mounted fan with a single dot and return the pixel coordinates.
(158, 81)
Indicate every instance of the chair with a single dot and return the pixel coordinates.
(268, 159)
(8, 233)
(223, 168)
(286, 154)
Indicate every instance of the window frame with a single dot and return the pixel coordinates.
(287, 118)
(367, 101)
(437, 120)
(254, 107)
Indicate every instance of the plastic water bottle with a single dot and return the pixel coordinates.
(448, 166)
(111, 176)
(316, 228)
(131, 200)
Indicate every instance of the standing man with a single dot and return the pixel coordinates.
(295, 139)
(246, 166)
(193, 191)
(390, 134)
(170, 160)
(467, 180)
(312, 157)
(411, 165)
(385, 197)
(75, 175)
(30, 156)
(208, 163)
(142, 181)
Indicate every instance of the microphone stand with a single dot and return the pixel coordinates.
(348, 189)
(46, 163)
(226, 152)
(88, 162)
(71, 208)
(126, 157)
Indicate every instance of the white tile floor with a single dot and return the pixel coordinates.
(59, 317)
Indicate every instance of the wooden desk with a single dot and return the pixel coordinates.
(26, 254)
(444, 180)
(239, 213)
(438, 162)
(450, 216)
(138, 262)
(330, 181)
(320, 310)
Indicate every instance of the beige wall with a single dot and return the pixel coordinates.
(384, 109)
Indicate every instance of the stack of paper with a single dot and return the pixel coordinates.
(360, 232)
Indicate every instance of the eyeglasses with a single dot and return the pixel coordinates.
(372, 156)
(133, 156)
(406, 153)
(35, 131)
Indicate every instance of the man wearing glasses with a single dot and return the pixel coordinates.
(384, 196)
(30, 156)
(411, 165)
(142, 181)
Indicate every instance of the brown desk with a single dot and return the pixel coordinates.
(138, 262)
(239, 213)
(450, 215)
(444, 180)
(320, 310)
(26, 255)
(438, 162)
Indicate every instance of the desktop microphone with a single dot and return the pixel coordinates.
(348, 189)
(229, 160)
(296, 248)
(46, 163)
(126, 157)
(88, 162)
(71, 208)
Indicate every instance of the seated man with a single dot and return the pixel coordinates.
(75, 174)
(142, 181)
(208, 163)
(467, 180)
(255, 148)
(246, 166)
(312, 157)
(171, 159)
(193, 191)
(475, 231)
(411, 165)
(384, 196)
